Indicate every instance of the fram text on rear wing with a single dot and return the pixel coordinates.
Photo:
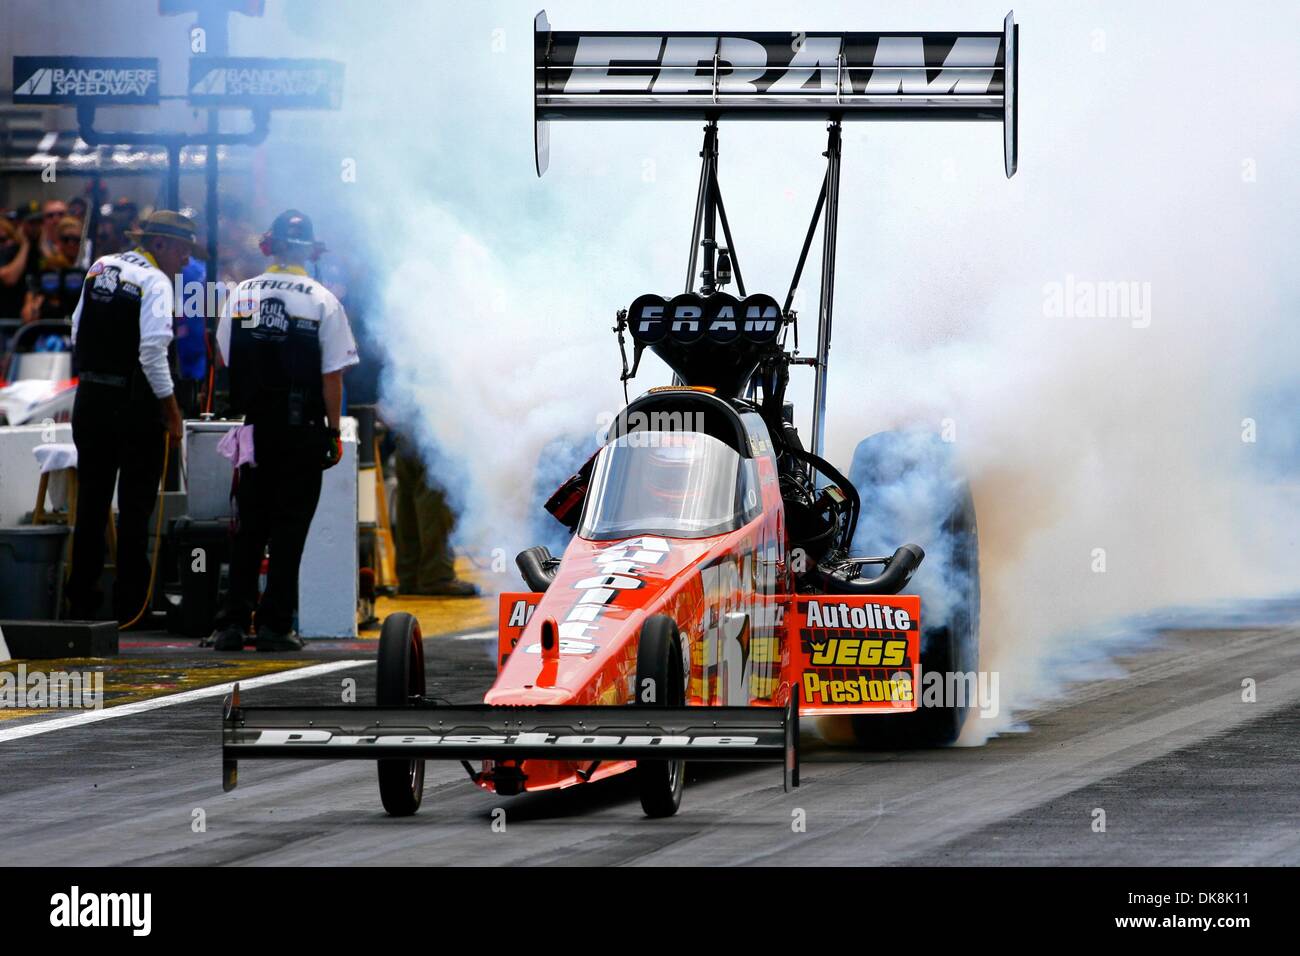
(603, 75)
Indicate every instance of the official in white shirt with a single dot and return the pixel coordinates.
(287, 343)
(125, 408)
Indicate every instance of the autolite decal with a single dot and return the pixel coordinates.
(874, 617)
(621, 565)
(521, 611)
(514, 610)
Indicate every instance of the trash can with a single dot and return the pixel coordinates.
(207, 473)
(31, 570)
(203, 552)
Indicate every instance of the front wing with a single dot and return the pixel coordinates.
(488, 732)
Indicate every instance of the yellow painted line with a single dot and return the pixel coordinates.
(83, 717)
(15, 714)
(129, 680)
(440, 616)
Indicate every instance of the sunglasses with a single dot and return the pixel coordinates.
(56, 215)
(69, 238)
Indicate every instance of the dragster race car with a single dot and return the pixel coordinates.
(709, 597)
(38, 381)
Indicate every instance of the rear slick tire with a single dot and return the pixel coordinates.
(884, 465)
(660, 682)
(400, 683)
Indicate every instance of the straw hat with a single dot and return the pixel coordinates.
(169, 224)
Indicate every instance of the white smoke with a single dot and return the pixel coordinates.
(1107, 453)
(1155, 149)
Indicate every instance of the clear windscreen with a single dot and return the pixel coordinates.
(677, 484)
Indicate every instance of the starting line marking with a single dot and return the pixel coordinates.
(185, 697)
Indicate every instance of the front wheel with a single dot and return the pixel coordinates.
(400, 684)
(660, 682)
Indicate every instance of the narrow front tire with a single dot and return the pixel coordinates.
(660, 682)
(400, 684)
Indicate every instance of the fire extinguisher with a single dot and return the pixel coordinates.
(261, 577)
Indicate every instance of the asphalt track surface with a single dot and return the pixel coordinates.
(1186, 772)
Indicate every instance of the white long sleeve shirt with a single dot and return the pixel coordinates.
(121, 276)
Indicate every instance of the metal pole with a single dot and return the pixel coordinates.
(708, 275)
(807, 244)
(211, 174)
(173, 175)
(704, 209)
(731, 245)
(829, 227)
(217, 25)
(699, 208)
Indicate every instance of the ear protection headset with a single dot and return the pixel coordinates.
(291, 228)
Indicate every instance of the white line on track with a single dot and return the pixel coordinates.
(140, 707)
(475, 636)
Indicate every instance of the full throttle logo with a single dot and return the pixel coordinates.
(269, 320)
(106, 281)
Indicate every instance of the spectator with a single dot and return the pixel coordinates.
(15, 249)
(68, 241)
(53, 212)
(109, 238)
(191, 337)
(60, 278)
(31, 229)
(124, 213)
(240, 252)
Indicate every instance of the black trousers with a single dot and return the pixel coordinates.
(119, 442)
(276, 501)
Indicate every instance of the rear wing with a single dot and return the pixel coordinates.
(603, 75)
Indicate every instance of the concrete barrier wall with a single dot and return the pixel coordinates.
(327, 580)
